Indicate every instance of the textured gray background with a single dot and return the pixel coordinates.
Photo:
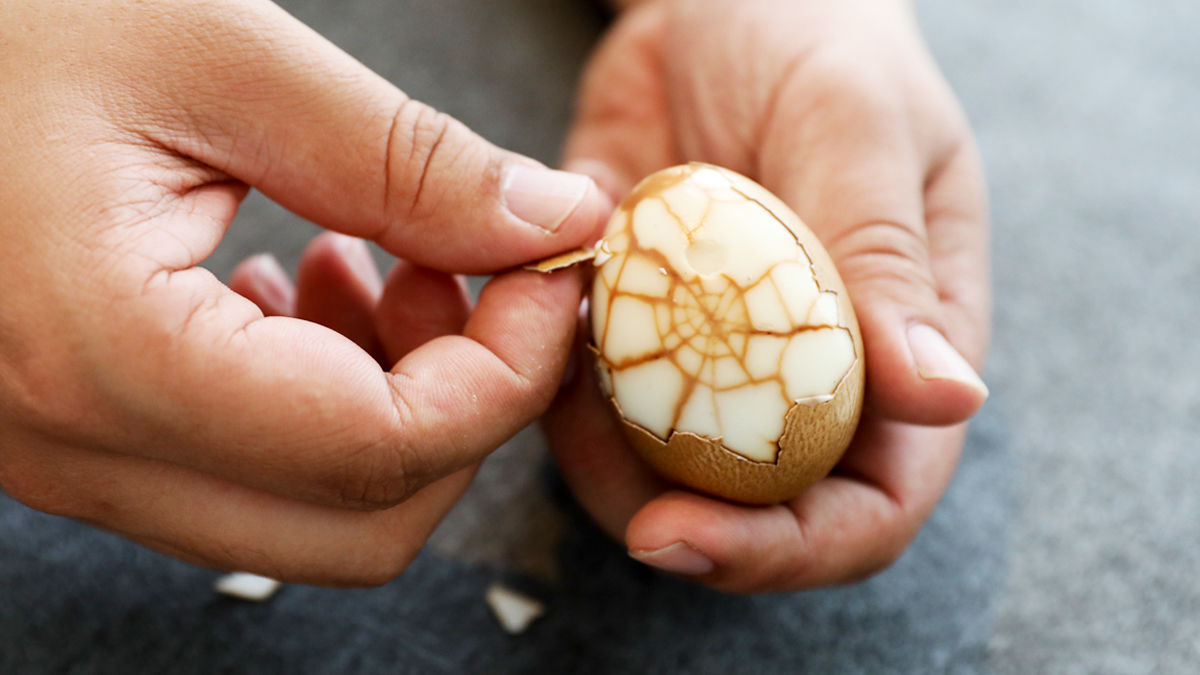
(1068, 543)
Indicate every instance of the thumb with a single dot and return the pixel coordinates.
(906, 283)
(325, 137)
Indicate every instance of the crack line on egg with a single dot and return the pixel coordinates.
(714, 326)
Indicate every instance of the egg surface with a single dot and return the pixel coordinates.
(724, 336)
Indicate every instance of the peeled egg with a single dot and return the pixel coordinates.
(724, 337)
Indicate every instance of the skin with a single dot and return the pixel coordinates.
(837, 108)
(139, 394)
(143, 396)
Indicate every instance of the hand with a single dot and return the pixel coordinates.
(139, 394)
(838, 109)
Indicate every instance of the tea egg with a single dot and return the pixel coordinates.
(724, 337)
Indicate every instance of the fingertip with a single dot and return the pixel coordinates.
(678, 558)
(527, 320)
(333, 258)
(667, 517)
(338, 286)
(586, 223)
(526, 212)
(543, 197)
(938, 362)
(744, 545)
(918, 376)
(562, 289)
(671, 533)
(262, 280)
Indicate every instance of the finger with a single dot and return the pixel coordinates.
(957, 220)
(338, 286)
(418, 305)
(606, 476)
(305, 413)
(211, 522)
(262, 280)
(621, 131)
(842, 529)
(502, 372)
(857, 177)
(279, 107)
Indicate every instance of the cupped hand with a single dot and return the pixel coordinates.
(140, 394)
(837, 108)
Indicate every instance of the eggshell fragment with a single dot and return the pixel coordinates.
(247, 586)
(514, 611)
(724, 336)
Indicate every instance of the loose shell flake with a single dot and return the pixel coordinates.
(709, 316)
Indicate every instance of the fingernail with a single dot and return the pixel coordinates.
(542, 197)
(679, 558)
(271, 282)
(358, 258)
(937, 359)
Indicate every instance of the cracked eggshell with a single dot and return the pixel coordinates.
(724, 337)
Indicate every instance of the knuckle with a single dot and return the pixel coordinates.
(378, 477)
(840, 82)
(532, 387)
(45, 387)
(542, 386)
(801, 567)
(811, 569)
(46, 406)
(881, 236)
(883, 255)
(415, 151)
(389, 470)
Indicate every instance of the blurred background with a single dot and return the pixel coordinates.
(1069, 541)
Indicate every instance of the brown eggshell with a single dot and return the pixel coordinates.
(814, 438)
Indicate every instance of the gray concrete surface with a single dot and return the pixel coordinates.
(1068, 543)
(1087, 113)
